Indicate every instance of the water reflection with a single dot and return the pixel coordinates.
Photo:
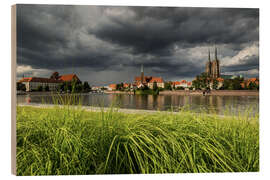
(211, 104)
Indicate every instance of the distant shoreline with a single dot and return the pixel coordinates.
(176, 92)
(200, 92)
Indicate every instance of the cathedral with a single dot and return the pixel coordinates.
(212, 68)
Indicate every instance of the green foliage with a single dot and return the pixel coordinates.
(196, 83)
(39, 88)
(46, 88)
(202, 81)
(253, 86)
(155, 86)
(180, 88)
(215, 84)
(74, 86)
(144, 88)
(71, 141)
(227, 84)
(147, 91)
(167, 86)
(86, 87)
(233, 84)
(120, 86)
(20, 86)
(67, 87)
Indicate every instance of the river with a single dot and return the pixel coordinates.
(209, 104)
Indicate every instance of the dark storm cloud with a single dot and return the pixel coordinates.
(38, 26)
(170, 42)
(250, 62)
(156, 30)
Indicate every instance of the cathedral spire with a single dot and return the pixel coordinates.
(209, 59)
(142, 74)
(215, 52)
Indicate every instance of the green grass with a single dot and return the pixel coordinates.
(65, 140)
(146, 92)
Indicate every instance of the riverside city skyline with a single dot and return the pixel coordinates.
(102, 44)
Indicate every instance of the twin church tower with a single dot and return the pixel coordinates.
(212, 68)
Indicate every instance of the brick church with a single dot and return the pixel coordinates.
(212, 68)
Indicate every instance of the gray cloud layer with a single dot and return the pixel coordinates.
(94, 41)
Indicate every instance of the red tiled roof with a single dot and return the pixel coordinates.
(156, 79)
(183, 81)
(126, 85)
(189, 83)
(145, 79)
(176, 83)
(252, 79)
(68, 77)
(26, 79)
(113, 86)
(220, 79)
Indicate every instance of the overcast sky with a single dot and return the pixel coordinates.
(105, 44)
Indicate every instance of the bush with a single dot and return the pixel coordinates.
(39, 88)
(47, 88)
(180, 88)
(20, 86)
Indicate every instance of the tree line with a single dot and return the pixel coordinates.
(202, 81)
(73, 86)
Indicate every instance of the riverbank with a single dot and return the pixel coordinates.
(69, 141)
(214, 92)
(199, 92)
(175, 92)
(91, 108)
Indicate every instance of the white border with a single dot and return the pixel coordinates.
(264, 83)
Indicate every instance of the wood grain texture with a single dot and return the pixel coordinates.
(13, 88)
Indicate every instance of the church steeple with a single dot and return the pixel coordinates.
(142, 74)
(209, 59)
(215, 53)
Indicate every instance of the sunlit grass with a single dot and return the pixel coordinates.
(68, 140)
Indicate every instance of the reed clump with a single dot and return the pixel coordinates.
(67, 140)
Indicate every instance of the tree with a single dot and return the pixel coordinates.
(196, 84)
(226, 84)
(47, 88)
(119, 86)
(86, 87)
(39, 88)
(180, 88)
(253, 86)
(79, 87)
(62, 86)
(21, 86)
(202, 81)
(67, 87)
(155, 87)
(215, 83)
(167, 86)
(55, 75)
(237, 83)
(144, 87)
(233, 84)
(76, 86)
